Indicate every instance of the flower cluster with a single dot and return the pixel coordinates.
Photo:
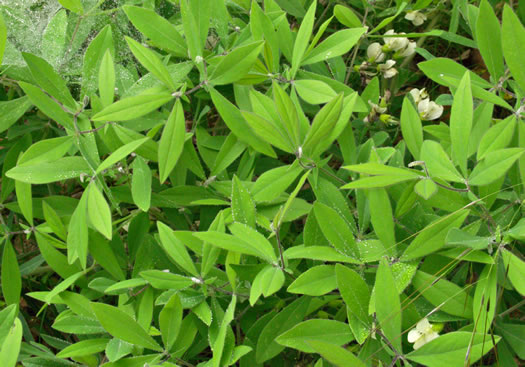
(416, 17)
(428, 110)
(422, 334)
(399, 46)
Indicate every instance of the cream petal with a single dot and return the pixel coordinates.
(413, 335)
(423, 326)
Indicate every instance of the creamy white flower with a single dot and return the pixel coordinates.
(198, 59)
(375, 53)
(394, 43)
(429, 110)
(388, 69)
(418, 94)
(422, 334)
(416, 17)
(407, 51)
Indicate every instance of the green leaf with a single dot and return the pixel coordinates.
(488, 39)
(441, 70)
(106, 79)
(46, 150)
(77, 233)
(54, 39)
(24, 199)
(230, 150)
(320, 253)
(243, 206)
(336, 230)
(381, 169)
(355, 293)
(163, 33)
(151, 62)
(268, 281)
(323, 124)
(53, 221)
(62, 286)
(335, 45)
(388, 305)
(233, 118)
(461, 122)
(377, 182)
(98, 211)
(47, 106)
(84, 348)
(516, 270)
(93, 56)
(411, 128)
(453, 349)
(316, 281)
(236, 64)
(172, 141)
(112, 320)
(426, 188)
(256, 240)
(494, 165)
(336, 355)
(330, 331)
(132, 107)
(314, 91)
(513, 42)
(289, 118)
(11, 279)
(49, 80)
(141, 184)
(12, 110)
(485, 299)
(497, 137)
(382, 218)
(291, 315)
(303, 38)
(165, 280)
(438, 163)
(3, 38)
(219, 344)
(170, 320)
(432, 237)
(11, 345)
(74, 5)
(274, 182)
(47, 172)
(450, 297)
(267, 131)
(120, 154)
(176, 249)
(346, 16)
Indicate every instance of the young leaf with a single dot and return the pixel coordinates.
(289, 117)
(494, 165)
(11, 279)
(172, 141)
(388, 305)
(53, 221)
(113, 319)
(243, 207)
(461, 122)
(426, 188)
(98, 211)
(163, 33)
(291, 315)
(336, 230)
(346, 16)
(233, 118)
(257, 240)
(170, 320)
(324, 123)
(411, 128)
(337, 44)
(336, 355)
(315, 281)
(438, 163)
(106, 79)
(176, 249)
(268, 281)
(84, 348)
(272, 183)
(151, 62)
(236, 64)
(314, 91)
(267, 131)
(120, 154)
(488, 39)
(77, 233)
(513, 42)
(141, 184)
(303, 38)
(432, 237)
(47, 172)
(10, 348)
(132, 107)
(102, 43)
(497, 137)
(330, 331)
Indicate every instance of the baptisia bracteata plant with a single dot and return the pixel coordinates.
(215, 183)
